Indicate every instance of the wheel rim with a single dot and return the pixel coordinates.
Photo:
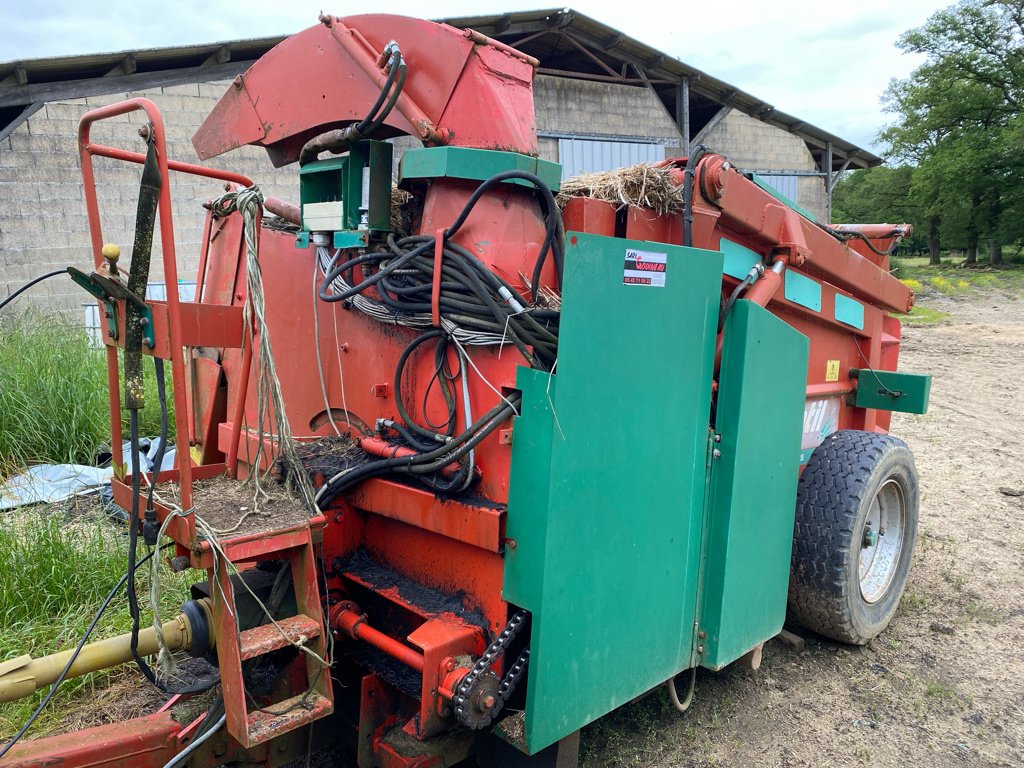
(882, 541)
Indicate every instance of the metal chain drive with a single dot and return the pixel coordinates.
(473, 711)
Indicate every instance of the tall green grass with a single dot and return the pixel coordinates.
(53, 394)
(57, 571)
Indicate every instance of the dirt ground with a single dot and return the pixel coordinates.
(944, 684)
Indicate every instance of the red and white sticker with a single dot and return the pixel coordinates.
(645, 268)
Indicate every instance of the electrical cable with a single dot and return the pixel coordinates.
(197, 742)
(673, 694)
(29, 284)
(71, 661)
(133, 599)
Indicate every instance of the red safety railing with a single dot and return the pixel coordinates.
(176, 347)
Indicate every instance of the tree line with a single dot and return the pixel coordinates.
(955, 148)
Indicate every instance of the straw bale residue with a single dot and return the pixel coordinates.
(223, 502)
(644, 185)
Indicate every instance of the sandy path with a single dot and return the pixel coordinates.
(944, 685)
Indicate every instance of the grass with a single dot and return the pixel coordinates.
(954, 278)
(53, 394)
(59, 566)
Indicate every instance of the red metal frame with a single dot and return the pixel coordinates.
(177, 339)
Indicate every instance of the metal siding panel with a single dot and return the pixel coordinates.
(591, 155)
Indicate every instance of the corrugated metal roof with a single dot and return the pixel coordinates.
(565, 41)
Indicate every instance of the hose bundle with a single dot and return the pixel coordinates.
(474, 305)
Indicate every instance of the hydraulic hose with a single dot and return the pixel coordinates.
(29, 284)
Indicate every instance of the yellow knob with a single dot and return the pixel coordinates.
(111, 252)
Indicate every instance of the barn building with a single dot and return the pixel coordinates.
(603, 100)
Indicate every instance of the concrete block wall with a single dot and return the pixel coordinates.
(590, 108)
(750, 143)
(43, 224)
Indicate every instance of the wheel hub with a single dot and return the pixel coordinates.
(882, 541)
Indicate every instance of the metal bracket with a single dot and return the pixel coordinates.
(109, 291)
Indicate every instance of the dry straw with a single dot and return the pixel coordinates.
(647, 186)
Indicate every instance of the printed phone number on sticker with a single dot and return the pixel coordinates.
(645, 268)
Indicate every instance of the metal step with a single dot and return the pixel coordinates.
(267, 638)
(293, 713)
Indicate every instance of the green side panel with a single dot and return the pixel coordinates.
(802, 290)
(477, 164)
(766, 185)
(892, 390)
(612, 590)
(753, 483)
(738, 258)
(850, 311)
(528, 492)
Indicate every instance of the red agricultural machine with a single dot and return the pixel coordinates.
(465, 468)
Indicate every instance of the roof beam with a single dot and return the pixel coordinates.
(14, 95)
(711, 124)
(17, 77)
(586, 52)
(220, 56)
(635, 81)
(126, 66)
(26, 113)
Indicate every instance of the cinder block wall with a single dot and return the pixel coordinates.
(43, 224)
(594, 108)
(750, 143)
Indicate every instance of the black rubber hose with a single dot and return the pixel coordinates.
(696, 154)
(842, 236)
(29, 284)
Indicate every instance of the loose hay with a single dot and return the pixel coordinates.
(399, 221)
(644, 185)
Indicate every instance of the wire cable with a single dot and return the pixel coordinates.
(29, 284)
(71, 661)
(186, 753)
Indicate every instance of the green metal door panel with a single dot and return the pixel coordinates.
(528, 491)
(753, 483)
(613, 589)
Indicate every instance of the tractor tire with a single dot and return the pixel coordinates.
(853, 540)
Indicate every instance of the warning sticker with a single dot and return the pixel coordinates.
(831, 370)
(645, 268)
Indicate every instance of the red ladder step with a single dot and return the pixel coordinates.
(268, 637)
(294, 713)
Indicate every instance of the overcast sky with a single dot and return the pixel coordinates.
(824, 62)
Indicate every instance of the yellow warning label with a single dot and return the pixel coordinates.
(832, 370)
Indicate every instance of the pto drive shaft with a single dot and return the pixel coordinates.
(21, 676)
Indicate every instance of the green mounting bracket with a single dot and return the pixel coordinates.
(476, 165)
(333, 197)
(891, 390)
(109, 291)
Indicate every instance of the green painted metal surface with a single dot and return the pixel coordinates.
(802, 290)
(759, 417)
(892, 390)
(476, 164)
(738, 258)
(341, 179)
(609, 479)
(766, 185)
(849, 311)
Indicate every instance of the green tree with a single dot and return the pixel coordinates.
(958, 122)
